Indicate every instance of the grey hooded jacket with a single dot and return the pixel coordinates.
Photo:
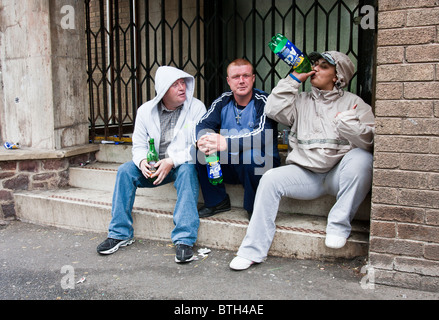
(319, 138)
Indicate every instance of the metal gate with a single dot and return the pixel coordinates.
(127, 40)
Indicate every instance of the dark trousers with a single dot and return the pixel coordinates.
(235, 171)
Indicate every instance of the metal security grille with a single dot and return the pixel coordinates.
(127, 40)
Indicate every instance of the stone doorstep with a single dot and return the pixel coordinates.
(103, 176)
(299, 236)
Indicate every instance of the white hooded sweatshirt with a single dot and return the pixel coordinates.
(147, 123)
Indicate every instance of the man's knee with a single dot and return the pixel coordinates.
(270, 178)
(127, 168)
(359, 164)
(187, 168)
(187, 171)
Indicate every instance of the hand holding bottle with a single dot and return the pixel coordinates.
(212, 143)
(302, 77)
(146, 168)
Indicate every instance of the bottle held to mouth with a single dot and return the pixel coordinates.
(290, 54)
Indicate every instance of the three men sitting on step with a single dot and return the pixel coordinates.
(331, 139)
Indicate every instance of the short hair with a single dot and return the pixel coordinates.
(240, 62)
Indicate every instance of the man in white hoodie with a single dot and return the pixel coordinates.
(331, 139)
(169, 119)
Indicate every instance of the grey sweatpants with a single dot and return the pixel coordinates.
(349, 181)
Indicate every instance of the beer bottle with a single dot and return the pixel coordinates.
(289, 53)
(152, 157)
(214, 172)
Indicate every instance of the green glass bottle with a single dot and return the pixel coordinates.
(152, 157)
(289, 53)
(214, 172)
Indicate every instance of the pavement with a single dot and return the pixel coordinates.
(48, 263)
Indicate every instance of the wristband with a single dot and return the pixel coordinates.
(292, 76)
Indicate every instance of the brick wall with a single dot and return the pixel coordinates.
(404, 240)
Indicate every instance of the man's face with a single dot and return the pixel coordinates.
(325, 76)
(241, 80)
(176, 95)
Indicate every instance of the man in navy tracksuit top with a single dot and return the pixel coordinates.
(237, 128)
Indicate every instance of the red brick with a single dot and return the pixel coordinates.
(6, 195)
(397, 247)
(404, 108)
(384, 195)
(424, 127)
(390, 55)
(405, 72)
(406, 36)
(4, 175)
(20, 182)
(388, 126)
(419, 198)
(383, 160)
(28, 166)
(8, 165)
(423, 17)
(421, 90)
(397, 213)
(391, 19)
(419, 162)
(432, 252)
(419, 266)
(418, 232)
(405, 4)
(55, 164)
(383, 229)
(432, 217)
(423, 53)
(8, 210)
(433, 181)
(400, 179)
(402, 144)
(44, 176)
(382, 261)
(389, 91)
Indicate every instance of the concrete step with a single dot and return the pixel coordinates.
(102, 176)
(299, 236)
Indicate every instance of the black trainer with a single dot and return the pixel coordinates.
(183, 253)
(223, 206)
(110, 245)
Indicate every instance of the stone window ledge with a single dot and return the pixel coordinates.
(36, 154)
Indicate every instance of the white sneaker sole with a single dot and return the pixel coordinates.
(123, 243)
(188, 260)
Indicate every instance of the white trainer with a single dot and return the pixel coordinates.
(239, 263)
(335, 242)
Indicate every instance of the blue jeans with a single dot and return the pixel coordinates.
(186, 219)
